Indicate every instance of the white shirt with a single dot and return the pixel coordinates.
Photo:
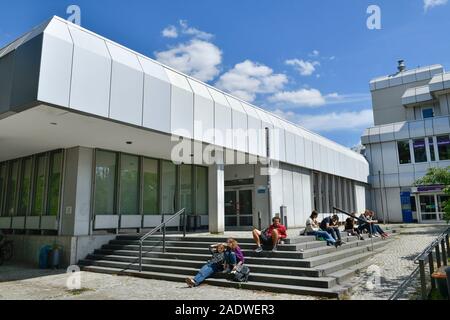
(311, 225)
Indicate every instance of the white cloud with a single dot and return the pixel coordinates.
(310, 98)
(197, 58)
(170, 32)
(249, 78)
(306, 68)
(302, 98)
(335, 121)
(428, 4)
(196, 33)
(315, 53)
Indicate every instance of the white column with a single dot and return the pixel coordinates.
(216, 198)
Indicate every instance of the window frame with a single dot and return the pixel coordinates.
(411, 154)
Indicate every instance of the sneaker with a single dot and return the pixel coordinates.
(190, 282)
(376, 235)
(259, 249)
(275, 249)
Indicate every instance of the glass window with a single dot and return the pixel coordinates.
(2, 187)
(186, 188)
(431, 146)
(151, 186)
(420, 154)
(25, 185)
(54, 183)
(39, 186)
(168, 179)
(129, 184)
(404, 154)
(427, 113)
(105, 178)
(11, 194)
(201, 193)
(443, 143)
(428, 207)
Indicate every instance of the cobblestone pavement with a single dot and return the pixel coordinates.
(395, 264)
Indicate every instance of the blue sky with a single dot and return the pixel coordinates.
(309, 61)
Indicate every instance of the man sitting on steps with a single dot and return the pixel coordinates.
(271, 236)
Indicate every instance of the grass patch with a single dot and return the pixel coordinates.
(77, 292)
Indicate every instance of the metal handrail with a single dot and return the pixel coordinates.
(426, 256)
(163, 227)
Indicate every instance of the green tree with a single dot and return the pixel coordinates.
(438, 176)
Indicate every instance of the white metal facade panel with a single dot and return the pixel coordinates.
(441, 125)
(91, 74)
(416, 129)
(290, 147)
(127, 85)
(254, 130)
(288, 195)
(401, 131)
(239, 124)
(308, 153)
(298, 198)
(360, 192)
(307, 192)
(222, 119)
(300, 150)
(18, 223)
(277, 191)
(56, 64)
(377, 159)
(182, 105)
(49, 223)
(265, 123)
(32, 223)
(130, 221)
(106, 222)
(5, 222)
(390, 159)
(203, 112)
(156, 113)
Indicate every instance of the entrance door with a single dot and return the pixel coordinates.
(239, 209)
(428, 207)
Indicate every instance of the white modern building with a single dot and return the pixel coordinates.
(412, 133)
(88, 130)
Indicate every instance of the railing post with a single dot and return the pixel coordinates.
(259, 220)
(140, 255)
(438, 256)
(448, 244)
(431, 263)
(423, 283)
(164, 238)
(184, 223)
(444, 252)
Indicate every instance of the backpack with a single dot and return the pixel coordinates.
(242, 273)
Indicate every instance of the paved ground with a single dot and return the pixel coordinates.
(395, 264)
(21, 282)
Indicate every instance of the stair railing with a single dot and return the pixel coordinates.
(360, 220)
(162, 227)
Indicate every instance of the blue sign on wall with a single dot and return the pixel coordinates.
(405, 199)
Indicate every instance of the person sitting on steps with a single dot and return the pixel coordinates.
(351, 229)
(271, 236)
(313, 229)
(331, 225)
(215, 264)
(370, 225)
(233, 256)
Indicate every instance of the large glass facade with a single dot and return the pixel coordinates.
(11, 195)
(201, 190)
(25, 186)
(150, 186)
(54, 183)
(186, 188)
(39, 185)
(168, 187)
(2, 187)
(105, 182)
(129, 184)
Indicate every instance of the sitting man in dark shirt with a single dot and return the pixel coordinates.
(271, 236)
(331, 225)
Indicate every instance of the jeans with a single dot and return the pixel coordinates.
(206, 271)
(230, 258)
(371, 228)
(324, 235)
(335, 233)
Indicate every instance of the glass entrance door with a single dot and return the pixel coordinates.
(432, 207)
(239, 208)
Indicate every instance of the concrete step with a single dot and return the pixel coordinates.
(323, 282)
(338, 255)
(334, 292)
(282, 270)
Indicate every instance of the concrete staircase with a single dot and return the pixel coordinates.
(302, 265)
